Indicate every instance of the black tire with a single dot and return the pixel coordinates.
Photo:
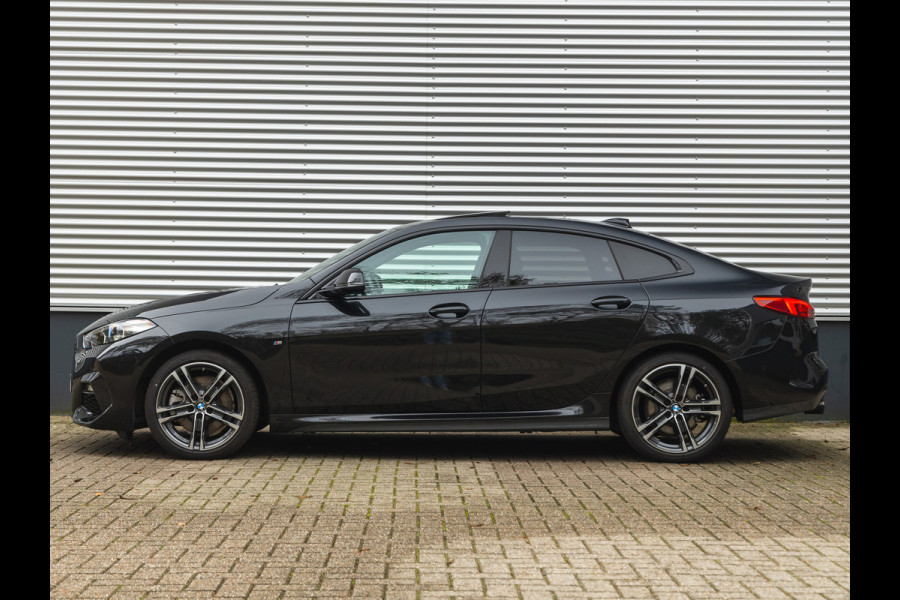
(182, 417)
(674, 407)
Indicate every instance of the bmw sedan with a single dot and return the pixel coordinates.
(479, 322)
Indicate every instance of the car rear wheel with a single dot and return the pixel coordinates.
(202, 404)
(674, 407)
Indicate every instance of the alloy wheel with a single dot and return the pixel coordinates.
(200, 406)
(676, 408)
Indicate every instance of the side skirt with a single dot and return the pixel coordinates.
(572, 418)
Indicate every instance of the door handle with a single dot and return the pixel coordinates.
(611, 302)
(449, 311)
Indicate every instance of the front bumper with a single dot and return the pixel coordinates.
(93, 406)
(106, 382)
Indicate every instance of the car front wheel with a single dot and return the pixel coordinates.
(202, 404)
(674, 407)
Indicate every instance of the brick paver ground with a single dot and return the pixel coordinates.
(569, 515)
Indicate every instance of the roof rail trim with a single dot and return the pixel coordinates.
(477, 214)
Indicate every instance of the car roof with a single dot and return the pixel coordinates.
(688, 257)
(611, 229)
(616, 227)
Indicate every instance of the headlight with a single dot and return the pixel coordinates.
(113, 332)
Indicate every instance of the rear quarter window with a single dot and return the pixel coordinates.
(638, 263)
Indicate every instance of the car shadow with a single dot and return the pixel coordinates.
(587, 446)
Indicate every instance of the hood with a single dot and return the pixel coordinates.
(232, 298)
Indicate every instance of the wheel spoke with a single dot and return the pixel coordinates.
(169, 408)
(680, 435)
(217, 386)
(654, 393)
(709, 413)
(684, 432)
(684, 384)
(706, 402)
(656, 421)
(224, 417)
(193, 430)
(198, 435)
(699, 407)
(202, 431)
(186, 382)
(177, 411)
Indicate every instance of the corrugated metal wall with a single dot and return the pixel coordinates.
(199, 145)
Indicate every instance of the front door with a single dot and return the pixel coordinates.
(409, 344)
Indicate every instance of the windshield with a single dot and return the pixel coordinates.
(328, 262)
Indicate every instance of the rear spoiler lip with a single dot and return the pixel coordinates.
(791, 285)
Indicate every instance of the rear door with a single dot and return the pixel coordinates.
(558, 326)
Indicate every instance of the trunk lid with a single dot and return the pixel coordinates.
(789, 285)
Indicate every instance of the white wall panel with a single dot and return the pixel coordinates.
(199, 145)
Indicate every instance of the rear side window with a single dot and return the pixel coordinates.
(637, 263)
(539, 258)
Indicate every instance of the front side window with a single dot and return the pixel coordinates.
(322, 266)
(430, 263)
(539, 258)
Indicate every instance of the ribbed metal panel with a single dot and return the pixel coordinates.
(200, 145)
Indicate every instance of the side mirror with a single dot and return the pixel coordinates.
(350, 281)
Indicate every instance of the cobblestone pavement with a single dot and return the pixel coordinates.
(568, 515)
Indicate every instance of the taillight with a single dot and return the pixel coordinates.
(791, 306)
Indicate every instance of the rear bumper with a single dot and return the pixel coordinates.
(818, 410)
(787, 378)
(813, 405)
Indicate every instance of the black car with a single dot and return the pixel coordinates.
(478, 323)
